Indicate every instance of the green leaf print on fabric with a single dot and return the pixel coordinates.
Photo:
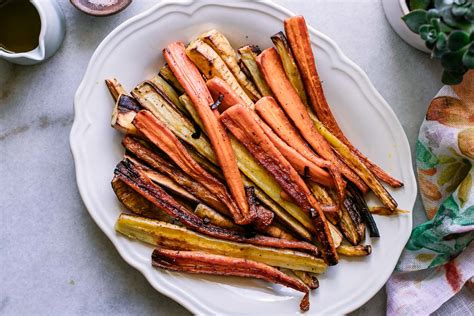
(424, 157)
(448, 173)
(465, 189)
(441, 234)
(459, 176)
(439, 260)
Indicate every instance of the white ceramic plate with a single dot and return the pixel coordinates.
(132, 52)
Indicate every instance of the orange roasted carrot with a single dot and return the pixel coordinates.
(268, 109)
(304, 167)
(298, 36)
(219, 87)
(195, 87)
(243, 124)
(313, 171)
(205, 263)
(163, 138)
(272, 69)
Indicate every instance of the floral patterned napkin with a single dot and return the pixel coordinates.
(439, 257)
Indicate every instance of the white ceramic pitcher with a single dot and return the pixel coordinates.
(51, 35)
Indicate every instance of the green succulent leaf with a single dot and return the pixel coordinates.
(441, 42)
(468, 59)
(419, 4)
(432, 14)
(459, 11)
(470, 15)
(415, 19)
(443, 27)
(451, 78)
(441, 3)
(424, 30)
(457, 40)
(448, 17)
(452, 61)
(435, 22)
(428, 33)
(448, 31)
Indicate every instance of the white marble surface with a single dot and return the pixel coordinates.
(53, 258)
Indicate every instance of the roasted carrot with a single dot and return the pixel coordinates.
(298, 36)
(265, 217)
(205, 263)
(243, 124)
(304, 167)
(270, 64)
(195, 87)
(219, 87)
(273, 115)
(133, 176)
(157, 162)
(163, 138)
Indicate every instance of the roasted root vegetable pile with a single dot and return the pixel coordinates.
(235, 165)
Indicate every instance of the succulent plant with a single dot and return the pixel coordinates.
(447, 27)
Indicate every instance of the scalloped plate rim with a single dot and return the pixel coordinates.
(81, 123)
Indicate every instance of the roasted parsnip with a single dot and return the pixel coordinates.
(135, 178)
(182, 127)
(166, 91)
(167, 74)
(364, 210)
(137, 204)
(354, 212)
(204, 211)
(222, 47)
(308, 279)
(125, 109)
(289, 64)
(115, 88)
(247, 55)
(348, 227)
(356, 165)
(171, 236)
(212, 65)
(354, 251)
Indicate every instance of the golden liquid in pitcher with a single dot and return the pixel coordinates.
(20, 26)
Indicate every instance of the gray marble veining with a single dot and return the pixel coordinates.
(53, 258)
